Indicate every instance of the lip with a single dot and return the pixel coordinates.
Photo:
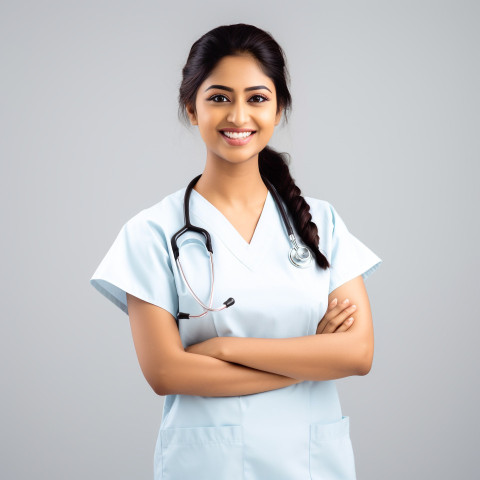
(237, 141)
(237, 130)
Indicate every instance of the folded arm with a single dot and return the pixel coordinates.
(192, 374)
(313, 357)
(170, 370)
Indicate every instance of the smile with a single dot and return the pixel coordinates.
(237, 138)
(237, 135)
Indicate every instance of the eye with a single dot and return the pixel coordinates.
(264, 99)
(212, 98)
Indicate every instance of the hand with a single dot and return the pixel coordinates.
(210, 347)
(336, 319)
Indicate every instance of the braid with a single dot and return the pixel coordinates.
(274, 166)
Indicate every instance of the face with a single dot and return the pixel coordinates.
(233, 108)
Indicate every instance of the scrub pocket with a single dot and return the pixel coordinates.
(331, 452)
(197, 453)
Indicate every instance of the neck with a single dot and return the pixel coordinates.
(232, 184)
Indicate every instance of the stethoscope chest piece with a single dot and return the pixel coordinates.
(300, 257)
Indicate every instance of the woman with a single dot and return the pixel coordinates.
(249, 384)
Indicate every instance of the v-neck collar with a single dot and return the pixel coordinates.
(217, 224)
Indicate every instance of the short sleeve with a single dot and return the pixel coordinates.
(349, 256)
(137, 263)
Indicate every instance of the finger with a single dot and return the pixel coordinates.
(333, 320)
(326, 325)
(321, 324)
(345, 325)
(341, 306)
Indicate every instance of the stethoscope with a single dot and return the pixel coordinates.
(301, 257)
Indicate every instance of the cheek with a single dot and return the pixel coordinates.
(205, 115)
(266, 119)
(207, 124)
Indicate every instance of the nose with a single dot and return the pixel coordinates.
(238, 114)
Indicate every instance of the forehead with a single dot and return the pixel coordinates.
(238, 71)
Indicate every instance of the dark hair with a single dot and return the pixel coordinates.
(239, 39)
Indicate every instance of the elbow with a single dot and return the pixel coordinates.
(157, 380)
(160, 392)
(365, 360)
(364, 369)
(167, 378)
(158, 385)
(161, 387)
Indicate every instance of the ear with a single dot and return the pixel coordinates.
(192, 114)
(278, 116)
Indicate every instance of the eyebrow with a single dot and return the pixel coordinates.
(228, 89)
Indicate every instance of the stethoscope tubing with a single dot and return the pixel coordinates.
(300, 260)
(207, 308)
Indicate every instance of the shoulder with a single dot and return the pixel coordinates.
(321, 210)
(326, 219)
(159, 220)
(164, 214)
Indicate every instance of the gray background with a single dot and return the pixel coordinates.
(385, 126)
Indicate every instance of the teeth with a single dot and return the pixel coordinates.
(237, 135)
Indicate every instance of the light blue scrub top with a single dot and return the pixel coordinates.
(296, 432)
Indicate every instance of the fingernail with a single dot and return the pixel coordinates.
(350, 320)
(345, 301)
(333, 302)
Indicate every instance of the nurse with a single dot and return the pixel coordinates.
(250, 389)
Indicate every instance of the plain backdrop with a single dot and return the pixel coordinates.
(385, 126)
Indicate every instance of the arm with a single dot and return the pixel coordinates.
(312, 357)
(192, 374)
(169, 369)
